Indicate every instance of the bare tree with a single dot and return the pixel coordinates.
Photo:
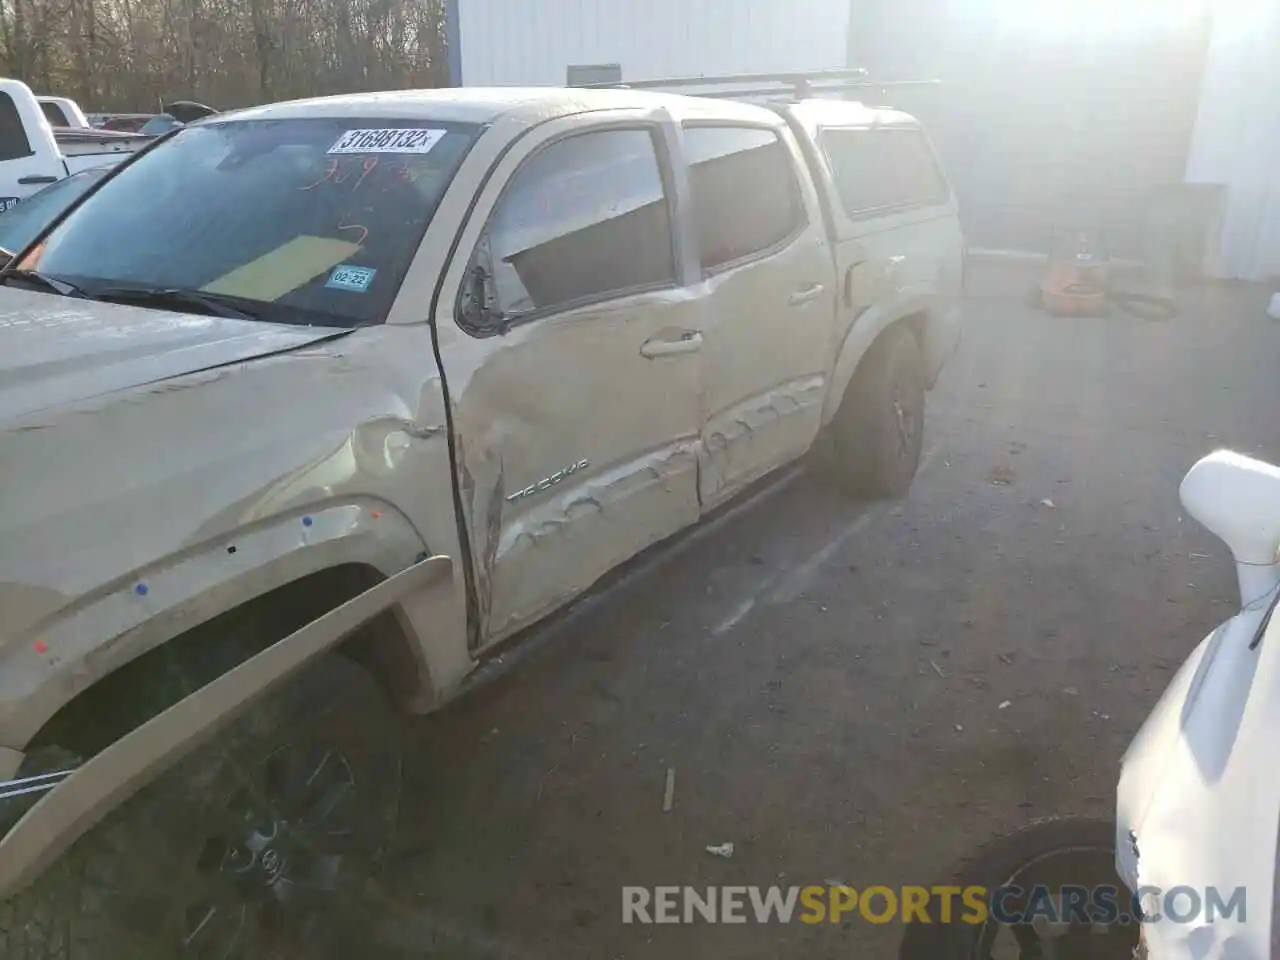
(131, 54)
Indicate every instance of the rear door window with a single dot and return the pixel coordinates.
(746, 200)
(883, 169)
(53, 113)
(13, 136)
(583, 219)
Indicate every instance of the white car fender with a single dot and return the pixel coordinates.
(1198, 803)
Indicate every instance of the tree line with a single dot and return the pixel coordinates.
(129, 55)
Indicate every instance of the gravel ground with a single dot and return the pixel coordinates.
(826, 679)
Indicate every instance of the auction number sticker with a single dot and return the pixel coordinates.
(355, 279)
(388, 140)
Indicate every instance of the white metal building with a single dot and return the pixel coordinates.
(546, 42)
(1237, 136)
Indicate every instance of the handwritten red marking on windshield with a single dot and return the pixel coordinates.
(370, 164)
(364, 231)
(329, 173)
(337, 174)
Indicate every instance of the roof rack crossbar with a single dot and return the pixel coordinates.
(784, 78)
(800, 85)
(815, 89)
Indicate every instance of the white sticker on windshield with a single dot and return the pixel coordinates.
(388, 140)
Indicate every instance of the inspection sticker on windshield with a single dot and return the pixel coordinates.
(388, 140)
(355, 279)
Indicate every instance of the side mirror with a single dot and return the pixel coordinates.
(476, 305)
(1238, 499)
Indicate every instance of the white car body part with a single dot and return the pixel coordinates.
(1198, 803)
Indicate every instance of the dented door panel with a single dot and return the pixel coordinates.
(764, 369)
(767, 344)
(572, 398)
(576, 431)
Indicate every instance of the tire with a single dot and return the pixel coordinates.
(878, 431)
(1069, 851)
(203, 834)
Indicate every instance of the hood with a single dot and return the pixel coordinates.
(56, 350)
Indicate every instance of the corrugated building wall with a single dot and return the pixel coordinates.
(1237, 136)
(508, 42)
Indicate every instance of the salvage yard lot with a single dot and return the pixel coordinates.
(847, 692)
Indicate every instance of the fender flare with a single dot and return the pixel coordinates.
(862, 334)
(113, 776)
(112, 626)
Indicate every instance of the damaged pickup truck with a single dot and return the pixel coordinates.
(307, 408)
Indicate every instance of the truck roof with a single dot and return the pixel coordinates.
(486, 104)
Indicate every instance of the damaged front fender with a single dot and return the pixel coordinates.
(81, 799)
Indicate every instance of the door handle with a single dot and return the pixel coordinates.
(807, 295)
(37, 178)
(690, 342)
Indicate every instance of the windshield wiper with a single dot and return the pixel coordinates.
(63, 288)
(187, 300)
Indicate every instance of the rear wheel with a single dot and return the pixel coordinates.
(878, 431)
(1044, 865)
(248, 848)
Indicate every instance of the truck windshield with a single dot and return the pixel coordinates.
(310, 221)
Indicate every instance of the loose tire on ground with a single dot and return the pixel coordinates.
(250, 847)
(877, 433)
(1055, 853)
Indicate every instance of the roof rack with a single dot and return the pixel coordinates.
(799, 86)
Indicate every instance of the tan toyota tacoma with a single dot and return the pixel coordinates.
(307, 408)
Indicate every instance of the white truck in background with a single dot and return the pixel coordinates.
(63, 112)
(34, 154)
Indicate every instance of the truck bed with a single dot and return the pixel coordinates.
(77, 141)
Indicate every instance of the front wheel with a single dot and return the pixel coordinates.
(1047, 887)
(246, 849)
(878, 431)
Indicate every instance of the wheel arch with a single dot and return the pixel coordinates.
(119, 702)
(105, 631)
(168, 726)
(915, 311)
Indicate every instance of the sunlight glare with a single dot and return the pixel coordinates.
(1097, 16)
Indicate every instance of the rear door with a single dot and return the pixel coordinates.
(576, 429)
(768, 272)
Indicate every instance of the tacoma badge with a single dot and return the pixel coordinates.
(548, 482)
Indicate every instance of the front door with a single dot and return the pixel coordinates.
(576, 429)
(769, 275)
